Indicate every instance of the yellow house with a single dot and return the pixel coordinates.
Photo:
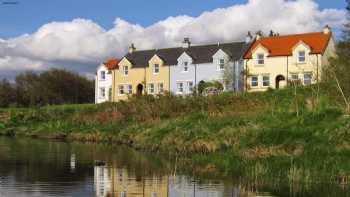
(142, 72)
(128, 79)
(272, 61)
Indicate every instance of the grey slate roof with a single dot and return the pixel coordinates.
(200, 54)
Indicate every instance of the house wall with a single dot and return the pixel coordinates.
(329, 52)
(161, 77)
(100, 83)
(135, 77)
(177, 74)
(202, 72)
(282, 65)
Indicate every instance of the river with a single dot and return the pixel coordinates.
(35, 168)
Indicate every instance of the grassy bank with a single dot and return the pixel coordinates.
(303, 131)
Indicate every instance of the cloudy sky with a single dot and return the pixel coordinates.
(78, 35)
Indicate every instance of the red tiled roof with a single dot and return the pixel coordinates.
(112, 64)
(283, 45)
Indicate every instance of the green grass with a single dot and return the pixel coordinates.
(303, 136)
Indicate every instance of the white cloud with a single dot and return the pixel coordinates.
(81, 44)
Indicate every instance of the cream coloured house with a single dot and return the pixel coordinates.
(272, 61)
(140, 73)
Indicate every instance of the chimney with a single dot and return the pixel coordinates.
(249, 37)
(132, 48)
(259, 35)
(327, 29)
(186, 43)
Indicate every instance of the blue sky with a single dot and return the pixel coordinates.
(86, 32)
(29, 15)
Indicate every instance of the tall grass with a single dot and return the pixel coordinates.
(249, 130)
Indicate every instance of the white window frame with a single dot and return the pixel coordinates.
(160, 88)
(190, 86)
(179, 87)
(254, 81)
(102, 75)
(305, 78)
(102, 92)
(221, 64)
(110, 93)
(292, 75)
(150, 88)
(185, 66)
(264, 80)
(260, 61)
(301, 56)
(121, 90)
(155, 69)
(129, 89)
(125, 70)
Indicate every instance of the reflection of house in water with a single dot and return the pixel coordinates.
(118, 182)
(131, 186)
(102, 181)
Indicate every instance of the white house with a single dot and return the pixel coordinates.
(208, 63)
(104, 81)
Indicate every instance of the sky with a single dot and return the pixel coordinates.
(79, 34)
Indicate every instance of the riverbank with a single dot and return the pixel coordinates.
(303, 131)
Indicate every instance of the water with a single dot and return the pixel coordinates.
(36, 168)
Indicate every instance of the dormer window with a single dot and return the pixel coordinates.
(103, 75)
(301, 57)
(155, 68)
(185, 64)
(125, 70)
(221, 64)
(260, 59)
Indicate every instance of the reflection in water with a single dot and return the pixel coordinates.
(114, 181)
(36, 168)
(72, 162)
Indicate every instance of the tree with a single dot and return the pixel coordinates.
(340, 66)
(346, 29)
(52, 87)
(229, 76)
(7, 94)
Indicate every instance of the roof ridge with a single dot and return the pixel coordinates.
(291, 35)
(204, 45)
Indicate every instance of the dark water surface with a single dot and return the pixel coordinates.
(30, 167)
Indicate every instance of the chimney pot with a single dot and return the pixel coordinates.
(186, 43)
(259, 35)
(249, 37)
(327, 29)
(132, 48)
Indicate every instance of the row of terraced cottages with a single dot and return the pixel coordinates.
(257, 64)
